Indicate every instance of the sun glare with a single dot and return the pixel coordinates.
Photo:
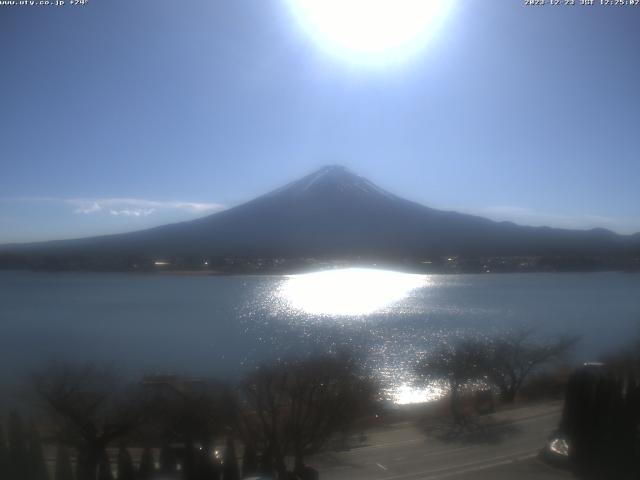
(406, 394)
(371, 31)
(348, 292)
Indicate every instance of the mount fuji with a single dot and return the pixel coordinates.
(334, 213)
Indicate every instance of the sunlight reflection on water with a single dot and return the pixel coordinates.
(366, 294)
(348, 292)
(407, 393)
(227, 325)
(392, 319)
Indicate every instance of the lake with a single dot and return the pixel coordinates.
(224, 325)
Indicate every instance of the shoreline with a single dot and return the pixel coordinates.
(302, 271)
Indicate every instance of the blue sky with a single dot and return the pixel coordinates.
(122, 114)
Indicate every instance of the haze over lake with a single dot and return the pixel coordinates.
(223, 325)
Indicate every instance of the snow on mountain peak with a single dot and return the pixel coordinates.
(331, 180)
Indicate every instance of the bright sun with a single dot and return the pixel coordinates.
(371, 31)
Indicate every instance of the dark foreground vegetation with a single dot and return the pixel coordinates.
(502, 363)
(96, 426)
(186, 428)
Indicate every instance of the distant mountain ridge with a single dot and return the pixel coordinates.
(334, 213)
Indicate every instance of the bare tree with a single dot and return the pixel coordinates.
(296, 407)
(193, 412)
(457, 364)
(504, 361)
(510, 358)
(327, 394)
(262, 417)
(90, 410)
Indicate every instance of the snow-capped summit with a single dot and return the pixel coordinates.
(331, 180)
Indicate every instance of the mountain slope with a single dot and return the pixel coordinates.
(334, 212)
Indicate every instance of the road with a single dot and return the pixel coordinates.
(506, 448)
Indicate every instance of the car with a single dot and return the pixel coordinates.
(556, 450)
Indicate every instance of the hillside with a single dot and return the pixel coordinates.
(334, 213)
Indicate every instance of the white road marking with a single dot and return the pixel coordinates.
(359, 456)
(357, 450)
(473, 466)
(483, 467)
